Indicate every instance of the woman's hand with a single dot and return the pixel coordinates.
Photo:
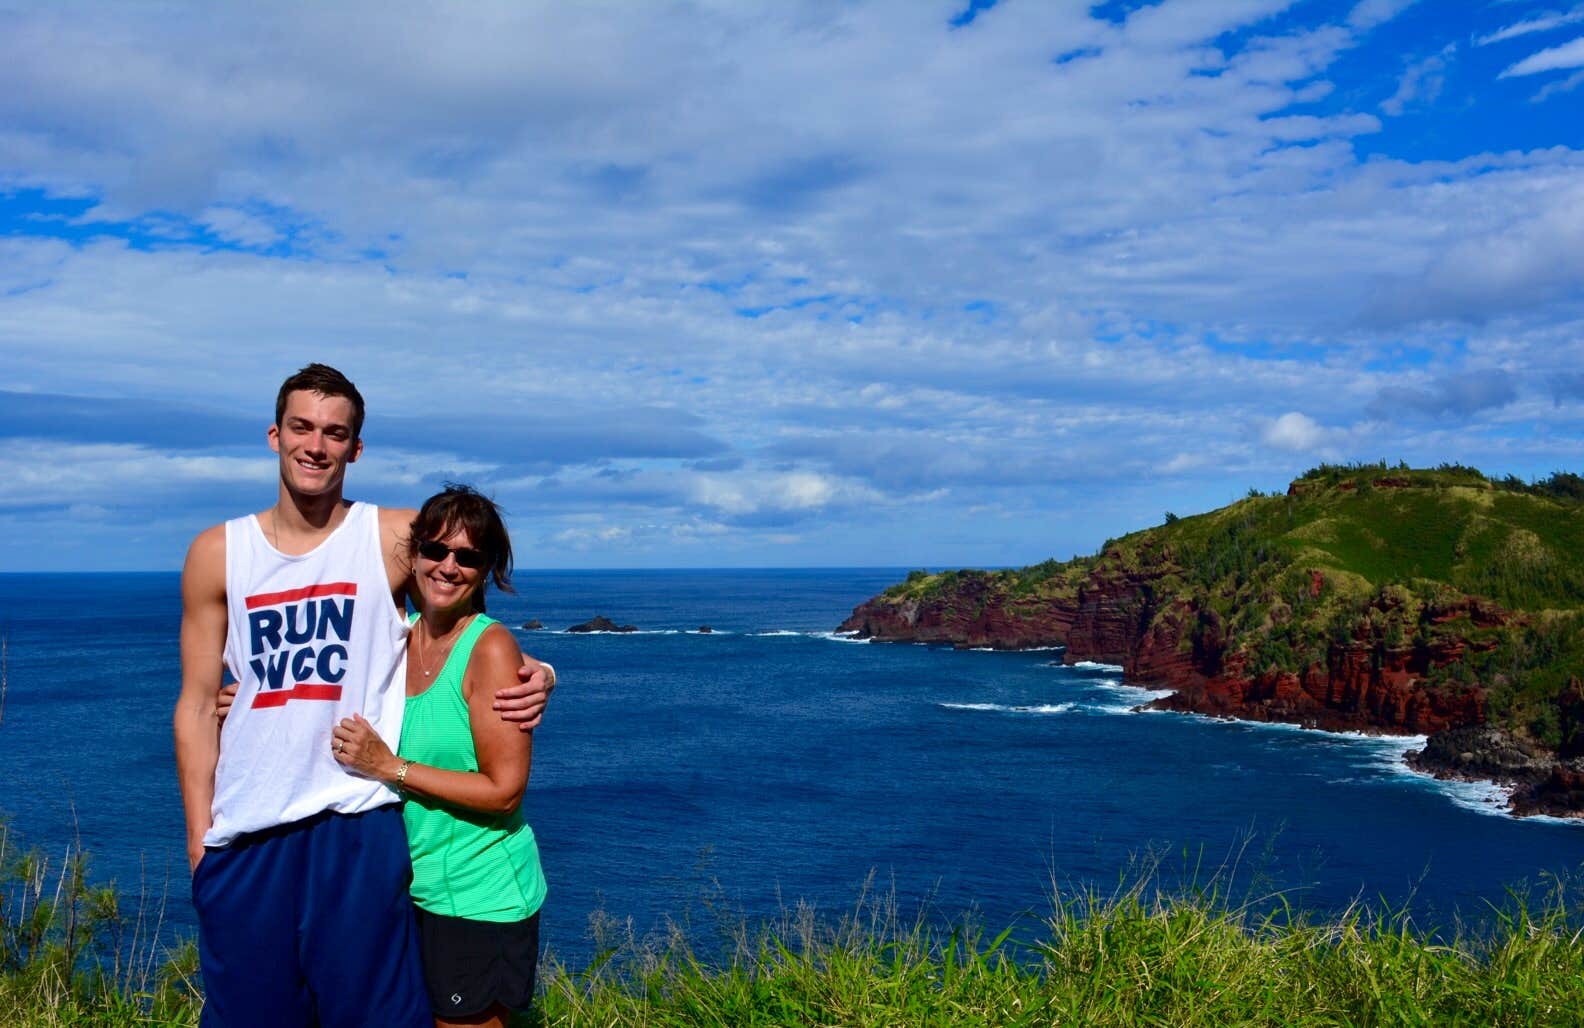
(359, 748)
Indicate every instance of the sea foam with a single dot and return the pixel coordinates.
(1003, 708)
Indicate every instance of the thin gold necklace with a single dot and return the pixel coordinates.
(428, 667)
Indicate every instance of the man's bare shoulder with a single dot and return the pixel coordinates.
(397, 517)
(395, 527)
(204, 571)
(208, 546)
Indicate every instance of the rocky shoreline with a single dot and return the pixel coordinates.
(1538, 782)
(1165, 642)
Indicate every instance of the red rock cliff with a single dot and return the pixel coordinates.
(1167, 641)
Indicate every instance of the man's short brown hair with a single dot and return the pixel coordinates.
(326, 381)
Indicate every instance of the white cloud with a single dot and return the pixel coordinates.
(1568, 55)
(1566, 85)
(589, 537)
(1294, 431)
(799, 491)
(238, 226)
(1544, 23)
(837, 262)
(1369, 13)
(1422, 82)
(47, 472)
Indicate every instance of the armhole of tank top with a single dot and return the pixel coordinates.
(397, 615)
(480, 625)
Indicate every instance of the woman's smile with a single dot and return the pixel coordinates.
(445, 583)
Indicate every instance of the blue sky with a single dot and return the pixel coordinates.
(781, 284)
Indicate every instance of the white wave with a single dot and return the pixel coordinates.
(1481, 797)
(787, 633)
(1003, 708)
(1003, 649)
(1572, 822)
(1489, 798)
(639, 631)
(1116, 708)
(840, 637)
(1142, 693)
(1386, 757)
(1089, 665)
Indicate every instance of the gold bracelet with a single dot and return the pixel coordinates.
(401, 776)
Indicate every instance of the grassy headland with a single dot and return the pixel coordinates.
(1367, 597)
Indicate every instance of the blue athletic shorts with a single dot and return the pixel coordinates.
(311, 924)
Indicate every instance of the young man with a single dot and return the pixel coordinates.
(300, 868)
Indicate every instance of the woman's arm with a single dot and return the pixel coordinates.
(504, 753)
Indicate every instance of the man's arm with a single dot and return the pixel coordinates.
(522, 704)
(203, 633)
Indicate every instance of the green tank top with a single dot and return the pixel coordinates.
(465, 864)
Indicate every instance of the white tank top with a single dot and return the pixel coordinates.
(311, 639)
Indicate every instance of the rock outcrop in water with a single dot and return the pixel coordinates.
(602, 624)
(1318, 609)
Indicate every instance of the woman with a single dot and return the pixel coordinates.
(476, 883)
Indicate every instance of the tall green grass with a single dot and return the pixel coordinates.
(71, 954)
(1135, 956)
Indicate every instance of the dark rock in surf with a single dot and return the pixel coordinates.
(602, 624)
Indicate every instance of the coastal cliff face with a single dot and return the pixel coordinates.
(1171, 642)
(973, 614)
(1333, 607)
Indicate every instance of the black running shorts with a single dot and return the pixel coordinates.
(472, 965)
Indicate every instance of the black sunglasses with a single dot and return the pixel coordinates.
(466, 556)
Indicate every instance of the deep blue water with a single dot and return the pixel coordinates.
(770, 762)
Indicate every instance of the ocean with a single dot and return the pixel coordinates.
(770, 762)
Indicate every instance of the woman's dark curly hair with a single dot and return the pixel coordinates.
(459, 506)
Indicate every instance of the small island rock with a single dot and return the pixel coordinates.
(705, 629)
(533, 625)
(602, 624)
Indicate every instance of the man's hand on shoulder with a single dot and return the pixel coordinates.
(524, 703)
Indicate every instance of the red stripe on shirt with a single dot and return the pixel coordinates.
(307, 591)
(301, 691)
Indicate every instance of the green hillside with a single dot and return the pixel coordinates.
(1445, 562)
